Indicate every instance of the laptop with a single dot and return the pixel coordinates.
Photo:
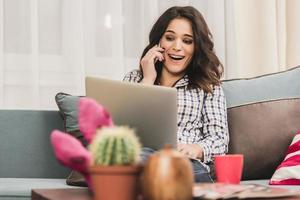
(150, 110)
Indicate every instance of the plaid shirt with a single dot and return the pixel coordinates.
(202, 117)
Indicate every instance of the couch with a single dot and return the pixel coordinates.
(26, 157)
(263, 117)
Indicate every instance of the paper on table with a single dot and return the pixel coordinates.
(227, 191)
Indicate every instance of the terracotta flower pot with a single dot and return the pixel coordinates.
(115, 182)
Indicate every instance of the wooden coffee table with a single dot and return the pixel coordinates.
(81, 194)
(65, 194)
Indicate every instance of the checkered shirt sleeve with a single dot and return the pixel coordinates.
(133, 76)
(215, 129)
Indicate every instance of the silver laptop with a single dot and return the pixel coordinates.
(150, 110)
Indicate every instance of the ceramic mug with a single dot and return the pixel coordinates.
(229, 168)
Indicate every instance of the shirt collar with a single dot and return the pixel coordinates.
(184, 81)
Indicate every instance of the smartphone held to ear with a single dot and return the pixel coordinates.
(156, 59)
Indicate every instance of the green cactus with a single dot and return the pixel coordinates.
(115, 146)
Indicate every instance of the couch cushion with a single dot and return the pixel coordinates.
(25, 150)
(281, 85)
(262, 132)
(20, 188)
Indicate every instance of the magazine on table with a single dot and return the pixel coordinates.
(229, 191)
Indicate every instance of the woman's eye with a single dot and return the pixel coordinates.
(169, 38)
(188, 41)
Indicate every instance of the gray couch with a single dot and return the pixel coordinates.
(263, 116)
(26, 157)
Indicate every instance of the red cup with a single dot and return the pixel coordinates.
(229, 168)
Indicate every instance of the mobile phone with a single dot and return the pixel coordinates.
(158, 64)
(156, 59)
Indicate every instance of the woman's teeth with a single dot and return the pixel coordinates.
(176, 57)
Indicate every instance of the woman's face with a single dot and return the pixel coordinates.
(179, 46)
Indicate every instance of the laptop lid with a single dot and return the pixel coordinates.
(150, 110)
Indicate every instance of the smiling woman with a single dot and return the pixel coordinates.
(178, 46)
(180, 54)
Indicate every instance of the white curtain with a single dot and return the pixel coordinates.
(48, 46)
(262, 36)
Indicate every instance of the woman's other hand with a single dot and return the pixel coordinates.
(147, 62)
(193, 151)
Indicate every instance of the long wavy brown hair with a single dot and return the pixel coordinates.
(205, 69)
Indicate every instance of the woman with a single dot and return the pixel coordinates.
(180, 54)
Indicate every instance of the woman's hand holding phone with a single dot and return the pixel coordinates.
(148, 64)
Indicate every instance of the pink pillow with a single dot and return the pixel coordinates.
(288, 172)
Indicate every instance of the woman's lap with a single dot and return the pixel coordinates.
(200, 172)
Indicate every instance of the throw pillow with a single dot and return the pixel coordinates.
(287, 173)
(67, 105)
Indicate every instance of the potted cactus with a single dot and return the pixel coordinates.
(110, 165)
(115, 170)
